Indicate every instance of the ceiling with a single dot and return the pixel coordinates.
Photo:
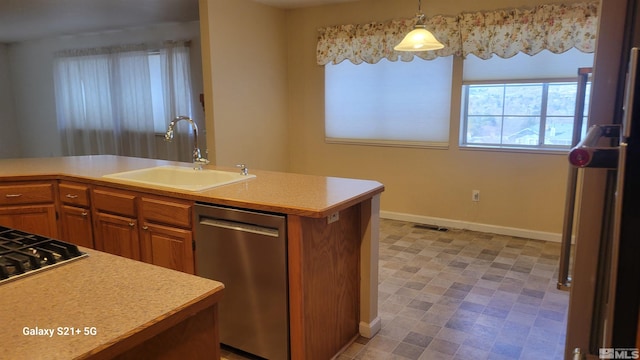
(291, 4)
(22, 20)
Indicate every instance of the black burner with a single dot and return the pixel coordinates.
(22, 253)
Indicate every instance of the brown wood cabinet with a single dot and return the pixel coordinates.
(168, 247)
(116, 223)
(29, 206)
(165, 237)
(75, 214)
(117, 235)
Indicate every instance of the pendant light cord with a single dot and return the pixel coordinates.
(420, 15)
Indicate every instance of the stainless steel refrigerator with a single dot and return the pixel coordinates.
(605, 288)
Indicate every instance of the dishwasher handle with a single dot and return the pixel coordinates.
(239, 226)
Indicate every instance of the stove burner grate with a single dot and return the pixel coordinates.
(22, 253)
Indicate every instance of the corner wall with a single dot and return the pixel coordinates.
(247, 86)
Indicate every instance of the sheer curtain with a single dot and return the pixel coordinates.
(104, 99)
(176, 89)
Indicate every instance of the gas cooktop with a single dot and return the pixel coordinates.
(23, 254)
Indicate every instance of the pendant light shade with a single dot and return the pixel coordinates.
(419, 39)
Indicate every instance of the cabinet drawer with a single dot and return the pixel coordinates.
(166, 212)
(114, 202)
(26, 194)
(74, 194)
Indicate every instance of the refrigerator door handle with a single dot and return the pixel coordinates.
(598, 149)
(564, 278)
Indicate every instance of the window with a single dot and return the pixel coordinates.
(511, 103)
(113, 100)
(160, 118)
(521, 114)
(389, 103)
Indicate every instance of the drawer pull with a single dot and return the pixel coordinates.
(132, 224)
(13, 195)
(84, 213)
(71, 196)
(145, 227)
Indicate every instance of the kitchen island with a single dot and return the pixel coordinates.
(104, 306)
(332, 236)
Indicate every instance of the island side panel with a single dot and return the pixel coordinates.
(324, 283)
(370, 322)
(296, 288)
(196, 337)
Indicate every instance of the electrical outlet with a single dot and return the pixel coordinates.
(333, 217)
(475, 195)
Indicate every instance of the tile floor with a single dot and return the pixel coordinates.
(463, 295)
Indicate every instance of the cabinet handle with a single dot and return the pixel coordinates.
(71, 196)
(84, 213)
(12, 195)
(145, 227)
(132, 224)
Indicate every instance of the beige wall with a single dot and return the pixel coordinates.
(247, 85)
(9, 135)
(517, 190)
(265, 105)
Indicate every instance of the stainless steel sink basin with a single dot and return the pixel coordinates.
(178, 177)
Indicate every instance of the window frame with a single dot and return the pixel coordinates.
(539, 148)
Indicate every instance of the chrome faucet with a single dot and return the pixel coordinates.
(243, 169)
(198, 160)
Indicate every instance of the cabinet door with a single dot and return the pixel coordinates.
(76, 225)
(168, 247)
(117, 235)
(36, 219)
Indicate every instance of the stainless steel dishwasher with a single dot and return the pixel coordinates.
(247, 251)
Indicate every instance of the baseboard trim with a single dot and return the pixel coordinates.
(459, 224)
(369, 329)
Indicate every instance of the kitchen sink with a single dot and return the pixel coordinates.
(180, 177)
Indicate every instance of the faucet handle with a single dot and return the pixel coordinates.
(243, 169)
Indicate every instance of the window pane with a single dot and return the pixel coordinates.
(389, 101)
(160, 120)
(559, 131)
(521, 131)
(523, 99)
(587, 97)
(484, 130)
(486, 99)
(561, 100)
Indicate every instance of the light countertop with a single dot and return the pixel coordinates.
(102, 293)
(305, 195)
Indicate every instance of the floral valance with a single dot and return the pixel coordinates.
(556, 28)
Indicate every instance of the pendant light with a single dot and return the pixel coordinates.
(419, 39)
